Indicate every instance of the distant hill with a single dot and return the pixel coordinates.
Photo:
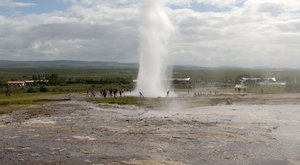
(69, 64)
(64, 64)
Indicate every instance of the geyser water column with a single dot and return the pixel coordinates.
(155, 32)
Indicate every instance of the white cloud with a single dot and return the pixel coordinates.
(257, 33)
(244, 36)
(221, 3)
(13, 4)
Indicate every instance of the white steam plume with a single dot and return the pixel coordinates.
(155, 32)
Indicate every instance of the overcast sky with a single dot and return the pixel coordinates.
(245, 33)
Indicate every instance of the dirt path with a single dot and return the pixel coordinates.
(77, 132)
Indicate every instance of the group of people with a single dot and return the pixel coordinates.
(112, 93)
(105, 93)
(206, 93)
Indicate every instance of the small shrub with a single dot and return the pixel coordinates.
(1, 84)
(61, 90)
(30, 90)
(228, 102)
(4, 103)
(43, 89)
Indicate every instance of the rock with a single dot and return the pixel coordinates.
(35, 155)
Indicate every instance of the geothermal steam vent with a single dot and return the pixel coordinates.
(155, 31)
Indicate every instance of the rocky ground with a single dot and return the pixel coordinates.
(191, 130)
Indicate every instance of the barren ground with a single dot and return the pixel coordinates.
(255, 129)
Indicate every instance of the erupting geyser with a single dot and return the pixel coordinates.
(155, 32)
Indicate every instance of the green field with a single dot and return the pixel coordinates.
(26, 73)
(11, 103)
(79, 79)
(197, 74)
(72, 80)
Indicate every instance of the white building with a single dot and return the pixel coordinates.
(260, 82)
(21, 83)
(16, 83)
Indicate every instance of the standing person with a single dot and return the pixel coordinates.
(104, 93)
(115, 93)
(120, 92)
(141, 95)
(87, 93)
(101, 92)
(168, 93)
(93, 93)
(110, 92)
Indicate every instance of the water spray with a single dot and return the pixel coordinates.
(155, 32)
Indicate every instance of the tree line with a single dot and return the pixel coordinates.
(54, 79)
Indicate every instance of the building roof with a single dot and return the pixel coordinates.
(15, 82)
(181, 79)
(256, 79)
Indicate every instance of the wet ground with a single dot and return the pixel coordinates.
(254, 130)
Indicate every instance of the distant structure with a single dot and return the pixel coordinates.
(16, 83)
(25, 83)
(247, 82)
(180, 80)
(29, 82)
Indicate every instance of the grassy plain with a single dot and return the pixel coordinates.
(199, 76)
(10, 103)
(26, 73)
